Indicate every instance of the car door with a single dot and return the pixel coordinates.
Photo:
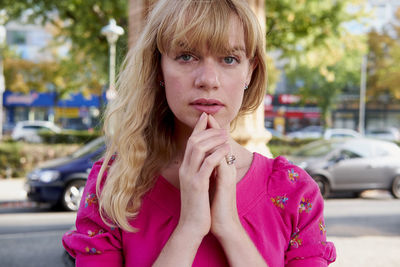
(354, 172)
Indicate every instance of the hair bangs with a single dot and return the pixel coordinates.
(201, 24)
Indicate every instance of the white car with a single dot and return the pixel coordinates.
(340, 133)
(28, 131)
(389, 134)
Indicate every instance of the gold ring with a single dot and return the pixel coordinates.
(230, 159)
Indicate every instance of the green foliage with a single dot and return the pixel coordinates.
(68, 137)
(10, 164)
(79, 24)
(282, 147)
(323, 57)
(383, 62)
(324, 84)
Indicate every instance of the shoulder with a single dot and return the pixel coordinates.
(289, 183)
(94, 172)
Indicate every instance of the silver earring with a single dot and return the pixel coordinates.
(246, 86)
(162, 84)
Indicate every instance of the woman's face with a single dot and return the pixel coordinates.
(201, 80)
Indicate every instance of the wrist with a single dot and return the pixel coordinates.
(190, 234)
(229, 233)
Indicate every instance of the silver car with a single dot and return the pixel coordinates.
(351, 165)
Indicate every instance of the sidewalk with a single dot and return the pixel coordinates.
(12, 193)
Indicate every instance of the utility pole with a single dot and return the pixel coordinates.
(363, 85)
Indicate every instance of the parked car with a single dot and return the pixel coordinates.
(351, 165)
(315, 132)
(389, 134)
(28, 131)
(60, 182)
(312, 131)
(340, 133)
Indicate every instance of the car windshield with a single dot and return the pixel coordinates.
(316, 149)
(89, 148)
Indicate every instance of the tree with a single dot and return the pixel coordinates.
(78, 23)
(323, 56)
(383, 62)
(322, 85)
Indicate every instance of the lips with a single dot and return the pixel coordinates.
(209, 106)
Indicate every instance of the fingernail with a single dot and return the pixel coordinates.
(203, 115)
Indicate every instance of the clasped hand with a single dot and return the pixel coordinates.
(207, 182)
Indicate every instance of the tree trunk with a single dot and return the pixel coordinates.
(249, 130)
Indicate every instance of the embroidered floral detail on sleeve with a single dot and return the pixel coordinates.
(92, 250)
(93, 233)
(279, 201)
(295, 240)
(322, 227)
(293, 176)
(90, 199)
(305, 205)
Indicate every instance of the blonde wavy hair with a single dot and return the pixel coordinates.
(139, 125)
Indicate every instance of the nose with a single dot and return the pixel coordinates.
(207, 76)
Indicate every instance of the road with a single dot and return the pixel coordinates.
(31, 237)
(366, 233)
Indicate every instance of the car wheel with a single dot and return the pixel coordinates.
(323, 185)
(396, 187)
(72, 195)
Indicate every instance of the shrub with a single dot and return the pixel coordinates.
(69, 137)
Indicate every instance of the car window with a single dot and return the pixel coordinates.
(32, 127)
(89, 148)
(347, 154)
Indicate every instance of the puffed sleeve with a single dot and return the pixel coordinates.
(303, 210)
(93, 243)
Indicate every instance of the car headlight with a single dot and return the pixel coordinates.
(48, 176)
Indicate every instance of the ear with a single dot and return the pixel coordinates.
(252, 66)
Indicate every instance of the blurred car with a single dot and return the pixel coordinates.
(312, 131)
(351, 165)
(340, 133)
(315, 132)
(28, 131)
(276, 133)
(60, 182)
(389, 134)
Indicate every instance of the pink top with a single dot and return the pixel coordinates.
(279, 205)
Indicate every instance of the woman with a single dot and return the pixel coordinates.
(174, 189)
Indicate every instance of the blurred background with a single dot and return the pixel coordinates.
(332, 106)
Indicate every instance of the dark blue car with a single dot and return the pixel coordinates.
(60, 182)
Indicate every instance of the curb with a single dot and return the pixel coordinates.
(17, 204)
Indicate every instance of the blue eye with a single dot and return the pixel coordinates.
(230, 60)
(185, 57)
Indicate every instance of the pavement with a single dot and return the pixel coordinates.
(13, 194)
(366, 251)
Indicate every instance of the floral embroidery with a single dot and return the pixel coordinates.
(93, 233)
(92, 250)
(280, 201)
(305, 205)
(293, 175)
(90, 199)
(322, 227)
(295, 240)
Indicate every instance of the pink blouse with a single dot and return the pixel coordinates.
(279, 206)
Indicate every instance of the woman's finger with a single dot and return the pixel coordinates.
(213, 160)
(212, 122)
